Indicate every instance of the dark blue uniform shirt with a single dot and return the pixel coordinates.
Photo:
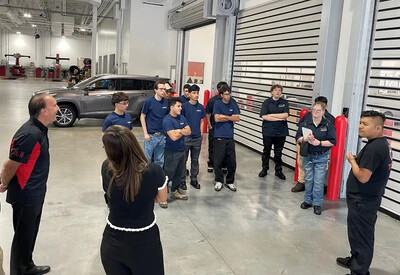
(183, 99)
(210, 107)
(174, 123)
(324, 131)
(224, 129)
(30, 147)
(194, 113)
(155, 112)
(116, 119)
(274, 128)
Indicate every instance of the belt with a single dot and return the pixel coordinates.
(157, 134)
(317, 153)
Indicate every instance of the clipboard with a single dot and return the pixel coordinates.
(306, 131)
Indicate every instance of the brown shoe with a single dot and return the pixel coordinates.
(299, 187)
(178, 196)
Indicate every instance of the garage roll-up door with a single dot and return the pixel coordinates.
(190, 16)
(384, 89)
(276, 43)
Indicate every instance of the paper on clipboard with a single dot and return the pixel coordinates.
(306, 131)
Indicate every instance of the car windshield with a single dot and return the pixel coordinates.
(84, 83)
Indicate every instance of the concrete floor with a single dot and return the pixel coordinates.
(260, 229)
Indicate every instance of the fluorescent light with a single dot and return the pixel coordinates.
(82, 30)
(18, 32)
(27, 15)
(33, 25)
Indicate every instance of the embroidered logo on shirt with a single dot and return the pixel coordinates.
(198, 110)
(230, 110)
(324, 129)
(281, 105)
(165, 107)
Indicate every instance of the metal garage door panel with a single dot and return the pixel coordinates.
(257, 26)
(384, 84)
(389, 194)
(275, 9)
(389, 4)
(287, 57)
(393, 23)
(390, 206)
(387, 14)
(391, 43)
(280, 37)
(277, 44)
(392, 53)
(385, 72)
(279, 31)
(271, 75)
(264, 87)
(293, 49)
(393, 185)
(383, 102)
(304, 65)
(386, 34)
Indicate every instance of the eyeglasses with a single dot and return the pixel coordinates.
(317, 110)
(123, 103)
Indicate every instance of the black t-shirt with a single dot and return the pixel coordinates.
(210, 107)
(30, 147)
(274, 128)
(376, 156)
(137, 214)
(324, 131)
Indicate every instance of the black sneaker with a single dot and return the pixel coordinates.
(305, 205)
(344, 262)
(195, 184)
(225, 170)
(183, 186)
(210, 169)
(317, 210)
(280, 175)
(263, 173)
(299, 187)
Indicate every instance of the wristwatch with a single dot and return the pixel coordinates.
(320, 143)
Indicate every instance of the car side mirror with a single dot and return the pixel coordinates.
(85, 92)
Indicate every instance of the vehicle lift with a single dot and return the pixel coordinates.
(55, 74)
(17, 70)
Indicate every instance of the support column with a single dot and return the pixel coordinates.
(324, 81)
(94, 40)
(361, 13)
(218, 59)
(179, 60)
(229, 48)
(119, 9)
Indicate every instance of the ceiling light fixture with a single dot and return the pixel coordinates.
(33, 26)
(28, 15)
(18, 32)
(82, 30)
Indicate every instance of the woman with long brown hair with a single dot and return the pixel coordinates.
(131, 240)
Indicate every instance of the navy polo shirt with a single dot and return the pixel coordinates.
(155, 112)
(116, 119)
(274, 128)
(183, 99)
(194, 113)
(327, 115)
(324, 131)
(224, 129)
(173, 123)
(210, 106)
(30, 147)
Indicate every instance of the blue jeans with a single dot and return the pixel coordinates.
(314, 177)
(155, 145)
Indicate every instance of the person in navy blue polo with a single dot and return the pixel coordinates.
(176, 128)
(185, 96)
(24, 175)
(120, 101)
(225, 113)
(274, 112)
(154, 110)
(194, 113)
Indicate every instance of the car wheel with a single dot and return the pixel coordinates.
(66, 116)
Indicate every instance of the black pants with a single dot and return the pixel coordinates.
(174, 167)
(361, 219)
(225, 154)
(278, 143)
(210, 161)
(126, 253)
(26, 221)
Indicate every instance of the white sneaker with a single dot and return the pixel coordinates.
(231, 186)
(218, 186)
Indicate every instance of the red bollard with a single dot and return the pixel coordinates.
(207, 95)
(337, 159)
(296, 169)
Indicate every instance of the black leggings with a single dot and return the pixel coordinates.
(132, 252)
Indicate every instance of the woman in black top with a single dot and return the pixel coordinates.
(321, 140)
(131, 240)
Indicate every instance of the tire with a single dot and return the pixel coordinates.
(66, 116)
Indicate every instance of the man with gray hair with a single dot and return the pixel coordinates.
(24, 177)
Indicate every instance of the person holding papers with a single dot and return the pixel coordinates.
(320, 134)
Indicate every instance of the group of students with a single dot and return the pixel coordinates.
(134, 178)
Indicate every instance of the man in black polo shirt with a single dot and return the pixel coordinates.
(24, 175)
(369, 174)
(274, 112)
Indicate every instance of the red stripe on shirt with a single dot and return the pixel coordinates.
(24, 171)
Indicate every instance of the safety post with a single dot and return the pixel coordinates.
(296, 169)
(207, 95)
(337, 159)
